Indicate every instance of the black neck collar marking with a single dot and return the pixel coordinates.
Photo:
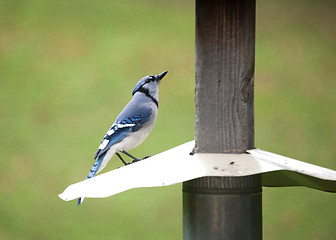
(146, 92)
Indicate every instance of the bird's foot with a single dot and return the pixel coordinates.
(134, 158)
(138, 160)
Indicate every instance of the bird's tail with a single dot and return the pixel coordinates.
(93, 172)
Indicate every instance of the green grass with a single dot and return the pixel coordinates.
(67, 68)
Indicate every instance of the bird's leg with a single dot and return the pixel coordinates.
(134, 158)
(121, 159)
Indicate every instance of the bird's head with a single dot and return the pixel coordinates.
(149, 85)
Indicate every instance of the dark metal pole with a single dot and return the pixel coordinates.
(224, 207)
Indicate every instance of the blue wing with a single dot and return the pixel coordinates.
(121, 129)
(131, 119)
(115, 134)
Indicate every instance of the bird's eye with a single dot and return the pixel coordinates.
(149, 79)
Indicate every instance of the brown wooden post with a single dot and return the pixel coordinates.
(224, 207)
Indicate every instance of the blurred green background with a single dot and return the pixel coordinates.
(68, 67)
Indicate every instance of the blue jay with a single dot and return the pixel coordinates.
(132, 126)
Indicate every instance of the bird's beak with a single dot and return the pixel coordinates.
(161, 75)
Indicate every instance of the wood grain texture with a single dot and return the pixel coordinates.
(224, 207)
(225, 42)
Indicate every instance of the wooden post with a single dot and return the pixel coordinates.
(224, 207)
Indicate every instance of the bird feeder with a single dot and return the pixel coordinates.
(222, 171)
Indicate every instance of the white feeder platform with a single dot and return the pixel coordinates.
(177, 165)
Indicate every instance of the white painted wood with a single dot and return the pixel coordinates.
(177, 165)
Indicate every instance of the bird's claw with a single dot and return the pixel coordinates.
(137, 160)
